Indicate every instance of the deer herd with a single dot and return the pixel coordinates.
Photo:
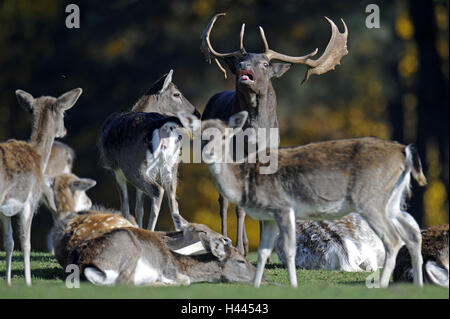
(337, 205)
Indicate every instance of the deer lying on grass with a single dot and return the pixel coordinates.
(322, 181)
(435, 257)
(140, 257)
(254, 92)
(142, 149)
(22, 165)
(73, 215)
(347, 244)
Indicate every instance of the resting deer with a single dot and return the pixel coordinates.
(142, 149)
(347, 244)
(22, 165)
(435, 257)
(254, 92)
(322, 181)
(140, 257)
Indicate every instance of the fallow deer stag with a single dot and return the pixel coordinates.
(142, 149)
(254, 92)
(347, 244)
(435, 257)
(140, 257)
(22, 165)
(322, 181)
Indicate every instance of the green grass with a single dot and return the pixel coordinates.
(46, 274)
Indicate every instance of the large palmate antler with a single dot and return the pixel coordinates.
(208, 50)
(335, 50)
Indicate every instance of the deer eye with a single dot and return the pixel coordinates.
(266, 64)
(176, 94)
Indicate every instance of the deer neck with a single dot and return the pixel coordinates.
(147, 103)
(261, 107)
(227, 178)
(200, 268)
(42, 137)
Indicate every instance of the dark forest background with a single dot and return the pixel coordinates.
(393, 83)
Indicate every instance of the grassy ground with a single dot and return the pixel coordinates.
(46, 274)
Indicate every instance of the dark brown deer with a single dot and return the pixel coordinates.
(141, 148)
(22, 165)
(324, 180)
(435, 258)
(140, 257)
(254, 92)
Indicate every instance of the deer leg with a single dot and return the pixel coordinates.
(8, 243)
(286, 222)
(26, 217)
(171, 189)
(121, 181)
(270, 230)
(139, 208)
(383, 227)
(409, 231)
(156, 197)
(241, 239)
(223, 206)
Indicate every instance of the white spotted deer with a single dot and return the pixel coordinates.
(22, 165)
(324, 180)
(255, 94)
(141, 147)
(135, 256)
(75, 220)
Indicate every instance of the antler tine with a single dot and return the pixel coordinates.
(209, 51)
(241, 40)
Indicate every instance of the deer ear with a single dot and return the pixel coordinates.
(68, 99)
(167, 81)
(218, 247)
(25, 100)
(189, 121)
(231, 63)
(82, 184)
(237, 120)
(279, 68)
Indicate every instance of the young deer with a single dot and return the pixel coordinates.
(347, 244)
(73, 215)
(142, 149)
(22, 165)
(140, 257)
(435, 256)
(255, 94)
(322, 181)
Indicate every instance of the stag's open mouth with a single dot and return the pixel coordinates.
(246, 76)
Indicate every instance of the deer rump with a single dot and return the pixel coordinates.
(121, 129)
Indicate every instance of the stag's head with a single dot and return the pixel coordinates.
(164, 97)
(255, 70)
(48, 109)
